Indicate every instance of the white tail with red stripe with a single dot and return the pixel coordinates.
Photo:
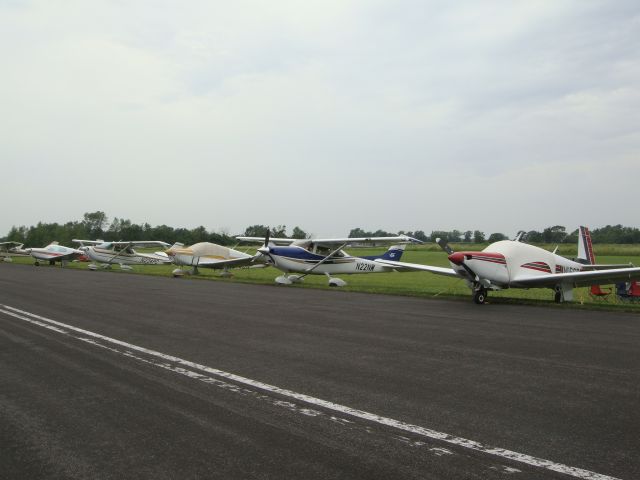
(585, 248)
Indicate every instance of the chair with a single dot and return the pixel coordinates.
(597, 292)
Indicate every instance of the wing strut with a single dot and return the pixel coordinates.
(328, 257)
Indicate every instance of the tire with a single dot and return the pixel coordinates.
(479, 296)
(558, 297)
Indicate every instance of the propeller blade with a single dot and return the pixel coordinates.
(459, 259)
(444, 245)
(267, 236)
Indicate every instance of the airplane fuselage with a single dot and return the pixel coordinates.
(53, 253)
(107, 255)
(204, 253)
(298, 260)
(501, 264)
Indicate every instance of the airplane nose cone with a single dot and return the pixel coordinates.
(456, 258)
(263, 250)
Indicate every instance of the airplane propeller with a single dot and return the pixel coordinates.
(265, 248)
(444, 245)
(457, 258)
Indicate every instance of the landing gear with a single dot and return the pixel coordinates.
(479, 295)
(563, 293)
(36, 263)
(52, 262)
(335, 281)
(557, 297)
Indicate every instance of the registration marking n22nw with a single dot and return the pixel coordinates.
(185, 365)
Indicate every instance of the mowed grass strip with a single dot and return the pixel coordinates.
(419, 284)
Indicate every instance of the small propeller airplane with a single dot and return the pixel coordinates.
(325, 256)
(122, 253)
(209, 255)
(53, 253)
(514, 264)
(11, 249)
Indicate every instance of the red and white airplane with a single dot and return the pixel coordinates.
(53, 253)
(514, 264)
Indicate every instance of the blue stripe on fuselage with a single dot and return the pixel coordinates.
(298, 253)
(391, 254)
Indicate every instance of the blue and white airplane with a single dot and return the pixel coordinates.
(325, 256)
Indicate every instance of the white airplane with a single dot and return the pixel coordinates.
(514, 264)
(209, 255)
(53, 253)
(325, 256)
(11, 249)
(122, 253)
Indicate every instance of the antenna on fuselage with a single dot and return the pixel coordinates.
(520, 236)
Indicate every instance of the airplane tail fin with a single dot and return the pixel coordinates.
(394, 253)
(585, 248)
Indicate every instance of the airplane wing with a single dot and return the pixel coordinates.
(275, 241)
(578, 279)
(87, 242)
(235, 262)
(8, 246)
(141, 244)
(328, 242)
(67, 256)
(407, 267)
(339, 241)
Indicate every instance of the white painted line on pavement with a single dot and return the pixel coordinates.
(65, 329)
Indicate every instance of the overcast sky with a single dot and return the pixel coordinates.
(329, 115)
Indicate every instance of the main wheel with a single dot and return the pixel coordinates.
(480, 296)
(558, 296)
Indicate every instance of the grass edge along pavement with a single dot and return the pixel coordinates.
(414, 284)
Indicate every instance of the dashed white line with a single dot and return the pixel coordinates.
(66, 329)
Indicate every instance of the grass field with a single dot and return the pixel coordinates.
(420, 284)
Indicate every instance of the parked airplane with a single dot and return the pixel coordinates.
(325, 256)
(122, 253)
(11, 249)
(514, 264)
(209, 255)
(53, 253)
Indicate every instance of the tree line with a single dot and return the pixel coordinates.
(557, 234)
(96, 225)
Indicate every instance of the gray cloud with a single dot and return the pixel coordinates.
(328, 115)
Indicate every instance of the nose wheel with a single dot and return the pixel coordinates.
(479, 295)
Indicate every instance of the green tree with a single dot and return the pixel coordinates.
(255, 231)
(95, 223)
(299, 233)
(279, 231)
(496, 237)
(478, 236)
(555, 234)
(359, 233)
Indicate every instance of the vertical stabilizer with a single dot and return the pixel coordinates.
(585, 248)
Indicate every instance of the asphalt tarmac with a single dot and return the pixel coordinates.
(115, 375)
